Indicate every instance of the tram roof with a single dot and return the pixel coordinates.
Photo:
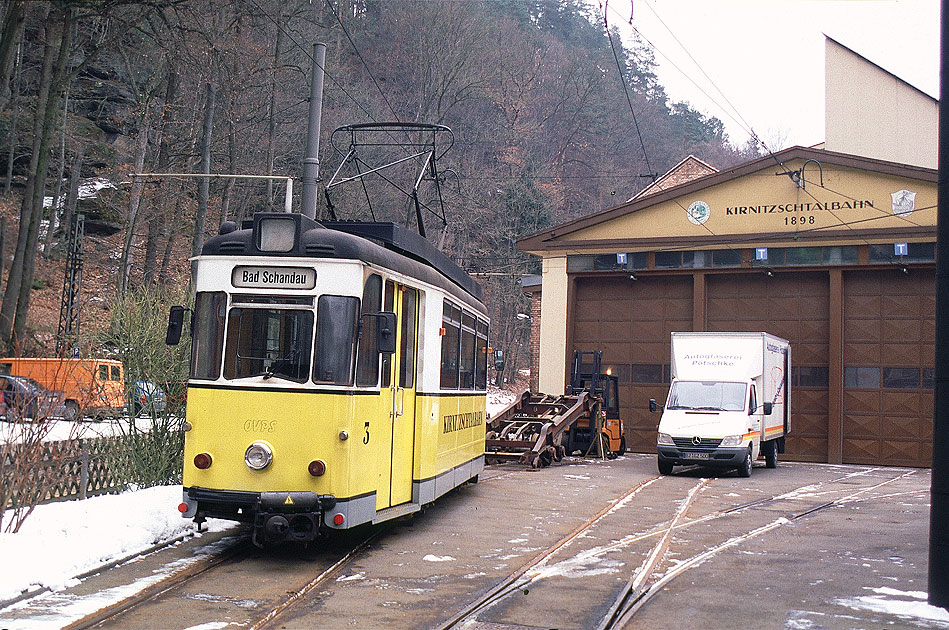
(385, 244)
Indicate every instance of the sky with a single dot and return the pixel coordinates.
(764, 59)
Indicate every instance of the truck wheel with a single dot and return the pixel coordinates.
(745, 469)
(622, 446)
(771, 454)
(71, 411)
(665, 468)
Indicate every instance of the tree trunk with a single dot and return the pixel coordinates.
(72, 195)
(55, 209)
(232, 167)
(13, 23)
(14, 115)
(135, 199)
(50, 115)
(11, 295)
(204, 187)
(271, 109)
(158, 220)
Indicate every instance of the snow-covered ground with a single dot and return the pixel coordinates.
(62, 540)
(57, 430)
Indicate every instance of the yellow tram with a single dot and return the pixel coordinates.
(338, 376)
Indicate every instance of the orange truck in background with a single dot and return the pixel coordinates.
(93, 387)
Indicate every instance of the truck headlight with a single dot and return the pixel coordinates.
(731, 440)
(666, 440)
(258, 455)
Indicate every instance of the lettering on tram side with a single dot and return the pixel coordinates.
(260, 426)
(461, 421)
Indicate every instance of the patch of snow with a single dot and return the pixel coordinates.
(59, 541)
(903, 604)
(433, 558)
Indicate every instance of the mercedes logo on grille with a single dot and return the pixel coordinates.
(696, 441)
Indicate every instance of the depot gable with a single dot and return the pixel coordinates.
(796, 195)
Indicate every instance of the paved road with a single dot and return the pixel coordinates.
(803, 546)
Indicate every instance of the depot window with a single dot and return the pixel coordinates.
(915, 252)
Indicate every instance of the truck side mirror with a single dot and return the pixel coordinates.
(768, 408)
(653, 406)
(499, 360)
(176, 319)
(385, 332)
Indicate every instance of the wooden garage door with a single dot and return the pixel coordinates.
(630, 321)
(793, 306)
(889, 354)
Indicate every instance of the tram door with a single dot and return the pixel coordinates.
(399, 376)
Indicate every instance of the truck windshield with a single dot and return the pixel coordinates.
(707, 395)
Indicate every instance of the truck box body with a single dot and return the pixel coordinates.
(729, 400)
(90, 386)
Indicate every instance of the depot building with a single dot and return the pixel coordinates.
(832, 250)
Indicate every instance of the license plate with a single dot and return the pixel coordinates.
(697, 455)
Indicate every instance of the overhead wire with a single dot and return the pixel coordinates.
(742, 122)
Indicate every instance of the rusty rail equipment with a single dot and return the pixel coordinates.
(538, 429)
(530, 430)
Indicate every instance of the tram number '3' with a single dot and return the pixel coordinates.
(365, 439)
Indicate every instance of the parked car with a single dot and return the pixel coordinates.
(147, 397)
(25, 398)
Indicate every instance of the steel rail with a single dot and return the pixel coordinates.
(510, 583)
(633, 605)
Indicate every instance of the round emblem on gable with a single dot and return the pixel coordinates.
(698, 212)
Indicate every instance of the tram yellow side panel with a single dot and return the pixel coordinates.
(299, 426)
(450, 433)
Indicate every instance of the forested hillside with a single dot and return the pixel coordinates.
(531, 89)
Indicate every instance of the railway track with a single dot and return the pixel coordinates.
(160, 594)
(649, 578)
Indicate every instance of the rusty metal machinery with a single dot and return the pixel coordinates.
(531, 430)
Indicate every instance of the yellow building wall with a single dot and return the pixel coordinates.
(768, 201)
(553, 325)
(872, 113)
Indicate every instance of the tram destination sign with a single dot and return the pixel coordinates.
(246, 277)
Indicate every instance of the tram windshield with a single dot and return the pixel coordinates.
(707, 395)
(268, 342)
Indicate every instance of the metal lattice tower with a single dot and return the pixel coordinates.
(72, 282)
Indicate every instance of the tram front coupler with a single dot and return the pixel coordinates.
(289, 516)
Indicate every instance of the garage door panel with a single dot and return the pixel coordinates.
(858, 451)
(906, 453)
(909, 330)
(901, 354)
(895, 403)
(859, 401)
(861, 354)
(617, 331)
(863, 306)
(586, 332)
(809, 424)
(616, 311)
(858, 330)
(807, 449)
(902, 307)
(809, 353)
(809, 400)
(903, 428)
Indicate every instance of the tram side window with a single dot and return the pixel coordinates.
(367, 361)
(467, 361)
(208, 342)
(451, 323)
(335, 339)
(481, 356)
(272, 342)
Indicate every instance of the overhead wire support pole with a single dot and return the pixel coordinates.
(939, 491)
(311, 162)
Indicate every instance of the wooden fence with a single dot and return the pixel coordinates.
(60, 470)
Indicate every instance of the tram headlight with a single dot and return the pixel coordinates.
(258, 455)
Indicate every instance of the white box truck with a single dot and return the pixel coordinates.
(729, 401)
